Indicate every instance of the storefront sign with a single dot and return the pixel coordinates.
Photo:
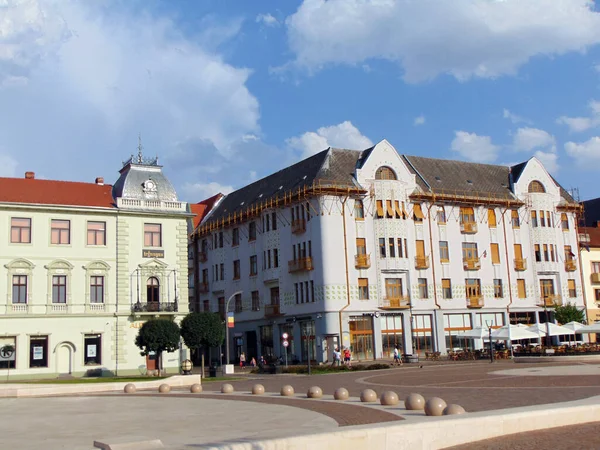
(147, 253)
(136, 325)
(38, 353)
(91, 351)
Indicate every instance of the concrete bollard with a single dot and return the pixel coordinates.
(341, 394)
(315, 392)
(164, 388)
(258, 389)
(287, 391)
(226, 388)
(414, 402)
(196, 388)
(129, 388)
(435, 406)
(368, 396)
(453, 409)
(389, 398)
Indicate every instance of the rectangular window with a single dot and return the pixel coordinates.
(547, 287)
(222, 271)
(255, 301)
(538, 253)
(312, 290)
(393, 288)
(238, 303)
(59, 289)
(514, 216)
(597, 294)
(301, 292)
(38, 351)
(467, 215)
(60, 232)
(392, 247)
(446, 288)
(498, 293)
(542, 219)
(423, 291)
(359, 210)
(534, 220)
(380, 208)
(19, 289)
(96, 289)
(236, 269)
(595, 267)
(389, 209)
(400, 253)
(569, 255)
(495, 248)
(552, 256)
(518, 252)
(221, 301)
(564, 221)
(92, 344)
(382, 247)
(221, 239)
(11, 342)
(522, 293)
(308, 299)
(441, 215)
(96, 233)
(398, 210)
(274, 221)
(297, 293)
(469, 250)
(546, 254)
(252, 231)
(361, 246)
(549, 220)
(254, 264)
(492, 218)
(153, 235)
(444, 253)
(275, 257)
(20, 230)
(473, 287)
(417, 213)
(572, 288)
(269, 259)
(268, 222)
(235, 237)
(363, 289)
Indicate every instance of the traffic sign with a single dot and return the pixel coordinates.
(286, 343)
(7, 353)
(285, 335)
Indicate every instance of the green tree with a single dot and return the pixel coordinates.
(568, 313)
(202, 330)
(158, 335)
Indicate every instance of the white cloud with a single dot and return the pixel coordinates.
(586, 154)
(343, 135)
(579, 124)
(268, 20)
(549, 160)
(8, 165)
(96, 75)
(202, 191)
(597, 68)
(474, 148)
(514, 118)
(528, 139)
(464, 38)
(419, 120)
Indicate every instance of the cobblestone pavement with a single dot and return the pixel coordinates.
(574, 437)
(471, 385)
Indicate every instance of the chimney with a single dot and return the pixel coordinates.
(100, 181)
(29, 175)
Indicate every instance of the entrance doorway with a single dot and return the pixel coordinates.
(153, 294)
(64, 359)
(251, 346)
(361, 337)
(152, 361)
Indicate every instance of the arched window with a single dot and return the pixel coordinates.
(441, 215)
(153, 293)
(564, 222)
(536, 187)
(385, 173)
(492, 218)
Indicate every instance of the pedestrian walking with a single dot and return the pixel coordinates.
(242, 360)
(337, 357)
(347, 357)
(397, 359)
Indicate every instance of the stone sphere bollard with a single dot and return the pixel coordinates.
(196, 388)
(435, 406)
(129, 388)
(389, 398)
(315, 392)
(341, 394)
(164, 388)
(368, 396)
(451, 410)
(287, 391)
(258, 389)
(414, 402)
(226, 388)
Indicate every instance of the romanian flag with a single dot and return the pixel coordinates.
(230, 320)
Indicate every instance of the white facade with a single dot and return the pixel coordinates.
(72, 307)
(412, 309)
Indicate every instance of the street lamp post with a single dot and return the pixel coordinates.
(227, 325)
(489, 325)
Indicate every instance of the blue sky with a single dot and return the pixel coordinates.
(226, 91)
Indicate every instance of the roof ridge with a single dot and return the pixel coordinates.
(462, 161)
(91, 183)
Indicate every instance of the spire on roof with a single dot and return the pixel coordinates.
(140, 156)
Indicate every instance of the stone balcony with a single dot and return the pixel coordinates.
(362, 261)
(475, 302)
(550, 301)
(298, 226)
(468, 227)
(300, 265)
(473, 263)
(520, 264)
(401, 302)
(422, 262)
(158, 205)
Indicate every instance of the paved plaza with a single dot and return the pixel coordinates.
(182, 420)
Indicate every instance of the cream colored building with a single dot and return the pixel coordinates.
(589, 237)
(85, 264)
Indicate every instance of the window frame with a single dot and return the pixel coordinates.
(20, 230)
(95, 287)
(150, 235)
(61, 288)
(88, 340)
(444, 251)
(22, 290)
(54, 228)
(96, 233)
(363, 289)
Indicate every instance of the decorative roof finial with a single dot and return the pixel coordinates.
(140, 157)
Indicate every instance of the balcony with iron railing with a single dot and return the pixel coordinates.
(298, 226)
(300, 265)
(475, 302)
(422, 262)
(472, 263)
(570, 265)
(154, 307)
(468, 227)
(362, 261)
(550, 301)
(203, 287)
(400, 302)
(520, 264)
(595, 277)
(272, 310)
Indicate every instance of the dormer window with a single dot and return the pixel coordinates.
(536, 187)
(149, 186)
(385, 173)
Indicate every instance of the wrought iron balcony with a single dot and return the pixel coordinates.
(362, 261)
(520, 264)
(203, 288)
(550, 301)
(570, 265)
(475, 301)
(151, 307)
(472, 263)
(272, 310)
(300, 265)
(298, 226)
(468, 227)
(401, 302)
(422, 262)
(595, 277)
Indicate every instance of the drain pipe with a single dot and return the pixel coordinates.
(435, 299)
(347, 272)
(510, 294)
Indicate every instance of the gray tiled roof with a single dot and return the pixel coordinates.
(331, 166)
(591, 212)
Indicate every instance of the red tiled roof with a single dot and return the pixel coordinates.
(201, 209)
(52, 192)
(593, 233)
